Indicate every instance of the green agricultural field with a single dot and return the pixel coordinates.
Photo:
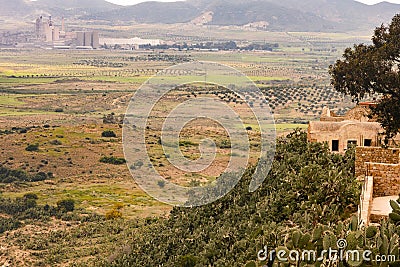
(11, 100)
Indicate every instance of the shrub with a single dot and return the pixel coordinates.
(224, 144)
(59, 110)
(137, 165)
(7, 224)
(113, 214)
(30, 203)
(66, 205)
(118, 206)
(32, 147)
(9, 176)
(161, 183)
(113, 160)
(9, 179)
(55, 142)
(108, 133)
(187, 261)
(40, 176)
(30, 196)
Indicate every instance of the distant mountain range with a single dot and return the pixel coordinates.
(278, 15)
(54, 7)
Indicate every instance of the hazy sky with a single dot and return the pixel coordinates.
(132, 2)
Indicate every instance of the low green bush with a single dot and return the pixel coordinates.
(108, 133)
(113, 160)
(32, 147)
(66, 205)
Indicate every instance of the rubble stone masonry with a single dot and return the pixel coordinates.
(383, 165)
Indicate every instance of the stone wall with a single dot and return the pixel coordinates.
(383, 165)
(386, 179)
(366, 155)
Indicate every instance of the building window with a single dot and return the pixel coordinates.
(335, 145)
(367, 142)
(351, 143)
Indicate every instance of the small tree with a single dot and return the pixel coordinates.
(108, 133)
(32, 147)
(66, 205)
(374, 69)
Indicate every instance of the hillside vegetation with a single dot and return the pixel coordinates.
(308, 201)
(306, 187)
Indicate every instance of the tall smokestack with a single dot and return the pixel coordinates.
(62, 25)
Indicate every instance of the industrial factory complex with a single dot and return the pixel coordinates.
(49, 34)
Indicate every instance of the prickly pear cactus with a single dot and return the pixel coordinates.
(344, 237)
(395, 214)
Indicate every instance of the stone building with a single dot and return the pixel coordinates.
(340, 132)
